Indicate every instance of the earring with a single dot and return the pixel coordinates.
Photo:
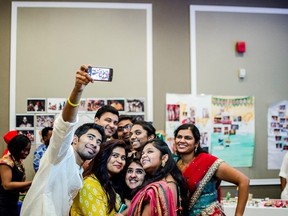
(163, 163)
(196, 149)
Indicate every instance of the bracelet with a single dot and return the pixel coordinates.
(72, 104)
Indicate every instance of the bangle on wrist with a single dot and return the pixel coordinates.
(72, 104)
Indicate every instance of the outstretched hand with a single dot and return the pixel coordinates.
(82, 77)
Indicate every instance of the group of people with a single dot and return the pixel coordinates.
(115, 166)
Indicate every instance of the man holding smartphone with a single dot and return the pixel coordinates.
(59, 177)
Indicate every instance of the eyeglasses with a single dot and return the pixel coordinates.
(127, 127)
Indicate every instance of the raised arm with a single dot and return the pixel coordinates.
(70, 109)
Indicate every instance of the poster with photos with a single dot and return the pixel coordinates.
(277, 119)
(55, 105)
(24, 121)
(36, 105)
(226, 124)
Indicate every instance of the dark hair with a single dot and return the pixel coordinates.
(147, 126)
(18, 144)
(45, 131)
(85, 127)
(126, 117)
(169, 168)
(127, 192)
(195, 132)
(98, 167)
(105, 109)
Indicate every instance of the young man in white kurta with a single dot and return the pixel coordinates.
(59, 177)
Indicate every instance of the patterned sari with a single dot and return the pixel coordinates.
(203, 185)
(160, 198)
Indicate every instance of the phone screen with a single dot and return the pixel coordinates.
(101, 73)
(122, 208)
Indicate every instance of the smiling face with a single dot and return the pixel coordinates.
(151, 158)
(123, 130)
(25, 152)
(185, 142)
(116, 161)
(135, 175)
(138, 137)
(109, 122)
(88, 145)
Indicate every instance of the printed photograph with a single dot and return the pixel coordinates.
(36, 104)
(45, 120)
(135, 105)
(93, 104)
(28, 133)
(118, 104)
(24, 121)
(55, 105)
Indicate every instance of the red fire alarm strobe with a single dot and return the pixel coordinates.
(240, 47)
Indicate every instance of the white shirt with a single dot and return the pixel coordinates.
(284, 174)
(58, 179)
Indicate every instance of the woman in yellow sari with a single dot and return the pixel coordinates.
(98, 196)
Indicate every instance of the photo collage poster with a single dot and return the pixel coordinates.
(226, 124)
(41, 112)
(277, 120)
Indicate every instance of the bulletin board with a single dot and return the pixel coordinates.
(51, 40)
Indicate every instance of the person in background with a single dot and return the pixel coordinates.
(164, 190)
(7, 138)
(46, 134)
(107, 116)
(204, 173)
(141, 132)
(12, 173)
(59, 177)
(284, 177)
(101, 182)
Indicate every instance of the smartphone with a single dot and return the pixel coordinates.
(122, 208)
(101, 73)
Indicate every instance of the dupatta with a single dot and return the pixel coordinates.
(160, 198)
(198, 173)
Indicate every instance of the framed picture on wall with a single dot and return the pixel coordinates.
(25, 121)
(117, 103)
(36, 105)
(44, 120)
(29, 133)
(93, 104)
(55, 105)
(135, 105)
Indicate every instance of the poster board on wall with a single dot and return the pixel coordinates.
(226, 124)
(51, 40)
